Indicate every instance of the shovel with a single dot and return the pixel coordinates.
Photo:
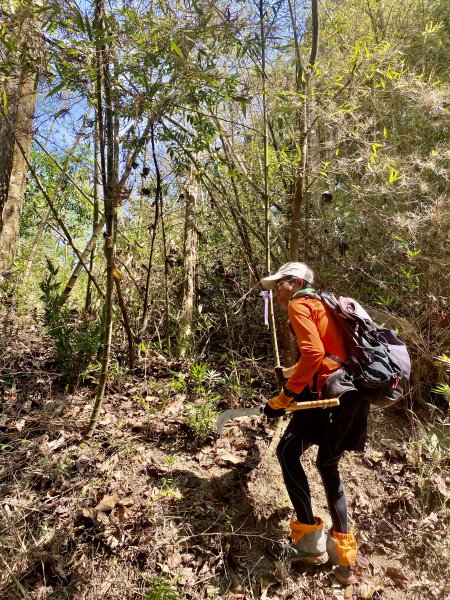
(234, 413)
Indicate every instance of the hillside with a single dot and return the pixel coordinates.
(150, 510)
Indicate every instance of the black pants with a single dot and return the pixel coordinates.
(289, 452)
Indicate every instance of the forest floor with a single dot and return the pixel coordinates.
(149, 510)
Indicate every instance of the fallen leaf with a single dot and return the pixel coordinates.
(107, 503)
(102, 518)
(88, 513)
(265, 585)
(171, 428)
(55, 444)
(223, 444)
(82, 462)
(19, 425)
(368, 589)
(399, 578)
(61, 511)
(362, 561)
(441, 486)
(109, 464)
(125, 502)
(348, 592)
(227, 456)
(112, 541)
(174, 560)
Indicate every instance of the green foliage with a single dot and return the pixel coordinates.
(162, 588)
(430, 453)
(76, 336)
(201, 408)
(201, 415)
(203, 377)
(443, 388)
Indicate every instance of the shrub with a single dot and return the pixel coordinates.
(76, 336)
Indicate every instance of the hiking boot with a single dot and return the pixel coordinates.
(307, 544)
(342, 549)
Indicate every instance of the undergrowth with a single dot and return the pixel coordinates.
(76, 336)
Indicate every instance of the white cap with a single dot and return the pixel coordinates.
(295, 269)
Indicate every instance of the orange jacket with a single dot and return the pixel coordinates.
(316, 331)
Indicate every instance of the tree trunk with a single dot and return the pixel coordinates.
(190, 261)
(14, 171)
(8, 120)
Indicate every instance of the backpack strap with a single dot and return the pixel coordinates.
(336, 359)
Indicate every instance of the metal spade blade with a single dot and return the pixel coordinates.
(234, 413)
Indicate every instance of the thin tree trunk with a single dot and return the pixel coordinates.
(109, 158)
(189, 267)
(59, 182)
(57, 217)
(303, 87)
(125, 319)
(84, 257)
(166, 277)
(35, 246)
(95, 214)
(154, 231)
(272, 323)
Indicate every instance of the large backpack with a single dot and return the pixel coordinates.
(379, 363)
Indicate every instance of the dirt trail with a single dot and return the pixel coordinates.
(146, 507)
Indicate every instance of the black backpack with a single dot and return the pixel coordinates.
(379, 363)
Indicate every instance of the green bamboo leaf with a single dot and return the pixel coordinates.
(56, 89)
(239, 98)
(88, 28)
(175, 48)
(197, 8)
(5, 104)
(79, 19)
(105, 40)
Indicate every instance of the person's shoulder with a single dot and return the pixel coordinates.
(304, 304)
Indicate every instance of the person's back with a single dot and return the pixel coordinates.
(316, 331)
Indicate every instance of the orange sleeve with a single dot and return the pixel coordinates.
(309, 343)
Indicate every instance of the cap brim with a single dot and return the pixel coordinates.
(269, 282)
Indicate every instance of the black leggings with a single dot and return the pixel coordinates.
(289, 451)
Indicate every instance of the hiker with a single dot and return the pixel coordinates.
(333, 430)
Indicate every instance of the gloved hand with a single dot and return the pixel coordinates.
(273, 413)
(275, 407)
